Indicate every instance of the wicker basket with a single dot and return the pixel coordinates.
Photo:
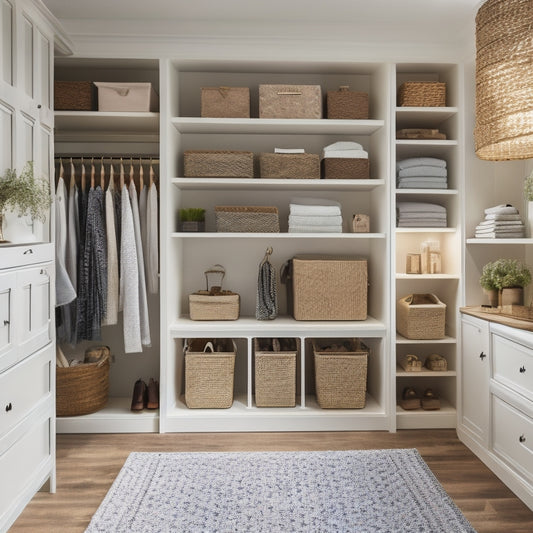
(275, 373)
(321, 287)
(421, 134)
(340, 376)
(421, 316)
(289, 166)
(82, 389)
(209, 376)
(205, 306)
(218, 164)
(344, 168)
(422, 94)
(346, 104)
(225, 102)
(74, 96)
(290, 101)
(247, 219)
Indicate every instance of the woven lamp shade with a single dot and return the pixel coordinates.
(504, 80)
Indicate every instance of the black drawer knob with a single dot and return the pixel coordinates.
(522, 369)
(482, 355)
(9, 406)
(6, 322)
(522, 438)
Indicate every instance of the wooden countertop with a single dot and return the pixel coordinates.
(495, 315)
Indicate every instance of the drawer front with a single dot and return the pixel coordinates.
(8, 349)
(512, 365)
(23, 386)
(19, 463)
(512, 437)
(26, 254)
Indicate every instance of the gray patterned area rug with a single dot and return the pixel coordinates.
(278, 492)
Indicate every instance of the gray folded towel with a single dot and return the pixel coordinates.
(423, 170)
(418, 161)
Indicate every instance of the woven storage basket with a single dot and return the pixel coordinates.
(218, 164)
(344, 168)
(225, 102)
(127, 96)
(422, 94)
(209, 376)
(421, 316)
(275, 376)
(290, 101)
(340, 376)
(74, 96)
(346, 104)
(289, 166)
(206, 306)
(82, 389)
(247, 219)
(321, 287)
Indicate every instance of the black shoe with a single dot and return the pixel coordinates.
(138, 399)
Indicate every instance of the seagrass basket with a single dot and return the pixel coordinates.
(204, 305)
(290, 101)
(218, 164)
(225, 102)
(422, 94)
(421, 316)
(345, 168)
(209, 376)
(247, 219)
(346, 104)
(340, 373)
(74, 96)
(289, 166)
(275, 372)
(82, 389)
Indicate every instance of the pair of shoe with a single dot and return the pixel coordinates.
(411, 400)
(145, 396)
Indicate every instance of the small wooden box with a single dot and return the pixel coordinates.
(346, 168)
(290, 101)
(225, 102)
(74, 96)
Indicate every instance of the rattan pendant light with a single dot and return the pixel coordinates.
(504, 80)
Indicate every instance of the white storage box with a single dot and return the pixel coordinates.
(126, 97)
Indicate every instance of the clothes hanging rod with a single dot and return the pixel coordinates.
(108, 158)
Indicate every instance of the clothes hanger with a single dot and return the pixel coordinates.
(268, 253)
(102, 173)
(141, 175)
(132, 180)
(151, 173)
(93, 172)
(121, 174)
(83, 182)
(111, 186)
(72, 174)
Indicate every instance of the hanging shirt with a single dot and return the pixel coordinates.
(152, 241)
(112, 258)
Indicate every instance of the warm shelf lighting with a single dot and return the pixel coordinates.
(504, 80)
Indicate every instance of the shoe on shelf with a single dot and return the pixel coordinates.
(138, 399)
(152, 401)
(410, 399)
(430, 400)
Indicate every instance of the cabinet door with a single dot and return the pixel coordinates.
(8, 351)
(475, 377)
(6, 36)
(6, 133)
(34, 309)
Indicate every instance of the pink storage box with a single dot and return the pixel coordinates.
(124, 96)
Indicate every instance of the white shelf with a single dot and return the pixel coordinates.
(400, 339)
(426, 230)
(423, 117)
(100, 121)
(432, 192)
(425, 142)
(237, 235)
(499, 241)
(276, 126)
(445, 417)
(260, 184)
(401, 373)
(282, 326)
(417, 277)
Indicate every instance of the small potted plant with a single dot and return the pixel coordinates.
(25, 195)
(192, 219)
(508, 277)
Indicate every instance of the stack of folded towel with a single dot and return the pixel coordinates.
(501, 222)
(314, 215)
(345, 150)
(420, 215)
(422, 173)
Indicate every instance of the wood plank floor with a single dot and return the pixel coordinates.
(88, 464)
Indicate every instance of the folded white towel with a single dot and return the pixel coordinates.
(500, 223)
(423, 170)
(314, 210)
(422, 185)
(307, 200)
(289, 151)
(421, 179)
(315, 229)
(503, 209)
(419, 207)
(414, 216)
(343, 145)
(507, 229)
(316, 220)
(429, 223)
(419, 161)
(502, 217)
(510, 235)
(346, 154)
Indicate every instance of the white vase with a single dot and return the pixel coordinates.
(18, 229)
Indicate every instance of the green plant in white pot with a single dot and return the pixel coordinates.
(25, 195)
(508, 277)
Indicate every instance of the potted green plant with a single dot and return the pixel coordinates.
(192, 219)
(508, 277)
(25, 195)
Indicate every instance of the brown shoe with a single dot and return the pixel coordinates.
(153, 394)
(138, 399)
(410, 399)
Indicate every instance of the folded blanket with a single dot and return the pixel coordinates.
(315, 229)
(415, 181)
(415, 216)
(507, 229)
(343, 145)
(420, 161)
(502, 209)
(306, 206)
(502, 217)
(500, 223)
(422, 185)
(423, 170)
(423, 223)
(296, 220)
(510, 235)
(419, 207)
(307, 200)
(345, 154)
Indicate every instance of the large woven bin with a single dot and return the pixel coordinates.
(225, 102)
(209, 376)
(421, 316)
(82, 389)
(206, 306)
(346, 104)
(422, 94)
(275, 374)
(340, 376)
(247, 219)
(74, 96)
(289, 166)
(322, 287)
(218, 164)
(345, 168)
(290, 101)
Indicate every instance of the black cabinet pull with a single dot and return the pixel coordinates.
(522, 438)
(522, 369)
(39, 106)
(6, 322)
(482, 355)
(28, 251)
(9, 406)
